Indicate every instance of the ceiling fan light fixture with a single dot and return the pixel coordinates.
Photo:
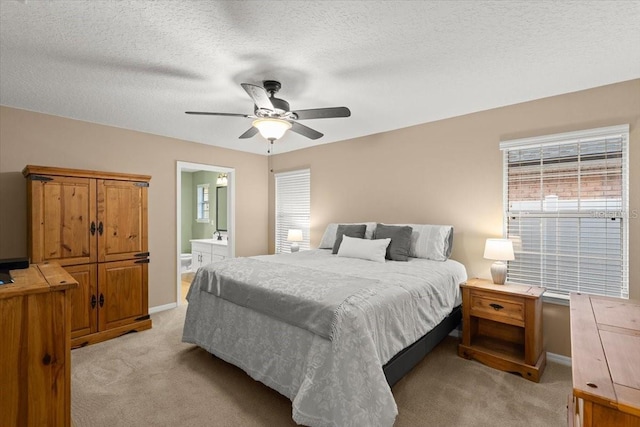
(271, 128)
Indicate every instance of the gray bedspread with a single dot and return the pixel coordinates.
(308, 298)
(331, 382)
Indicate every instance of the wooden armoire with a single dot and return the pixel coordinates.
(94, 224)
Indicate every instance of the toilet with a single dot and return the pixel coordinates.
(185, 262)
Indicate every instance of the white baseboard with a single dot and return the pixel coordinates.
(558, 358)
(162, 307)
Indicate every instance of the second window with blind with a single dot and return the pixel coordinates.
(566, 211)
(293, 208)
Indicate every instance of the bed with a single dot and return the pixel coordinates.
(330, 332)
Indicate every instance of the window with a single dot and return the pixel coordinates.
(293, 207)
(202, 207)
(566, 210)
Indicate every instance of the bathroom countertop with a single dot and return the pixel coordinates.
(224, 242)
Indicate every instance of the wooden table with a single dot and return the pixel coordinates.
(605, 353)
(35, 344)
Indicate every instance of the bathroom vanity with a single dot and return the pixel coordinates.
(205, 251)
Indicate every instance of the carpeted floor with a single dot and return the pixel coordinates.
(152, 379)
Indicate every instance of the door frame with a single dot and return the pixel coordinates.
(182, 166)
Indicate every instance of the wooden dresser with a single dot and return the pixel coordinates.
(605, 353)
(35, 344)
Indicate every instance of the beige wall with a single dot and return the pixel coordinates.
(445, 172)
(450, 172)
(39, 139)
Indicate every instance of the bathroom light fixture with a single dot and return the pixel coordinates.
(222, 180)
(499, 250)
(295, 236)
(271, 128)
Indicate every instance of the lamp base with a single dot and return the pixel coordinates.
(294, 247)
(499, 272)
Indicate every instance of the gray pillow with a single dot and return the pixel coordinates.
(398, 249)
(351, 230)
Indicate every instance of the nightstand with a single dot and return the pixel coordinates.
(502, 327)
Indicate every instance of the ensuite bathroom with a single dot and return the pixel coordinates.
(204, 233)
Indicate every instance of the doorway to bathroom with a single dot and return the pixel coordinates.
(205, 216)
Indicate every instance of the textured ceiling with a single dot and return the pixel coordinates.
(140, 64)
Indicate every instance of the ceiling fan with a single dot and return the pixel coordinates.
(272, 116)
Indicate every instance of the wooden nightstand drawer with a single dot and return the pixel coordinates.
(505, 310)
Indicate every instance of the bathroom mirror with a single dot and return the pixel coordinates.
(221, 208)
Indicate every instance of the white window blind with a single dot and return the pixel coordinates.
(293, 207)
(566, 209)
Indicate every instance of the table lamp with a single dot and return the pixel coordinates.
(295, 236)
(499, 250)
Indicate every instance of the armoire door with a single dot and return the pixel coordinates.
(84, 299)
(122, 220)
(122, 292)
(62, 212)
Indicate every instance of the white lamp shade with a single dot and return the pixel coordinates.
(499, 250)
(272, 128)
(294, 235)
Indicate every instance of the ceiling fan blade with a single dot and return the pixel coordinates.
(259, 95)
(305, 131)
(322, 113)
(249, 133)
(206, 113)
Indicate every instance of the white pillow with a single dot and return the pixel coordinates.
(430, 241)
(329, 236)
(372, 250)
